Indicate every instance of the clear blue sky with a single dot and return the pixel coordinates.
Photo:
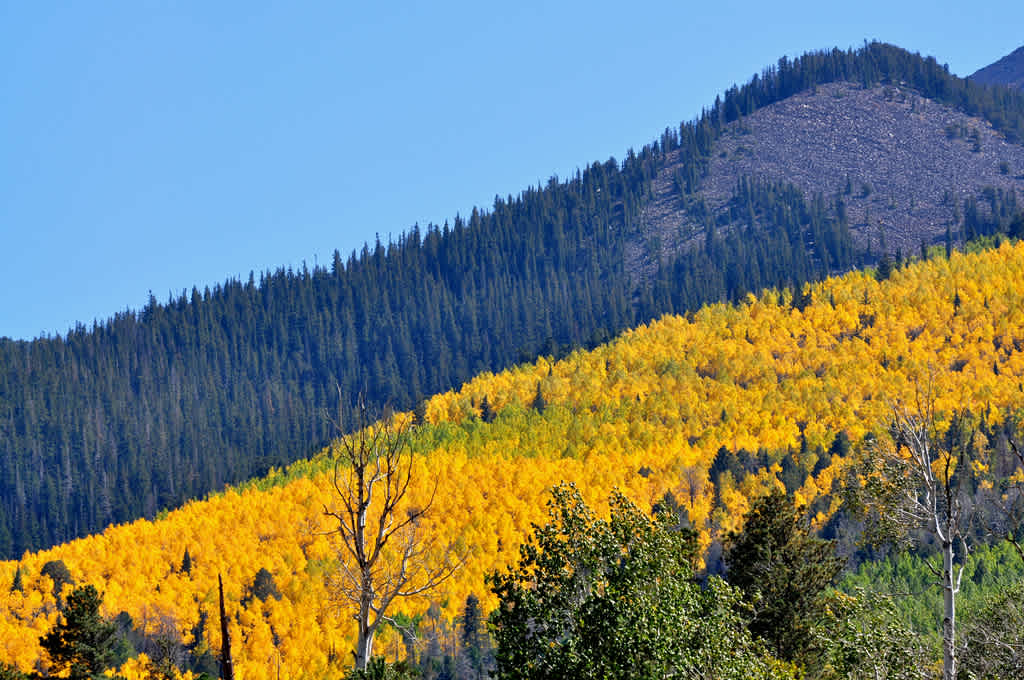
(156, 145)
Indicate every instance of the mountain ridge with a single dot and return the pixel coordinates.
(118, 421)
(1008, 71)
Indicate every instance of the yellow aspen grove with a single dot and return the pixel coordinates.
(711, 410)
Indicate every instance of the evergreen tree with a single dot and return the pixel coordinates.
(227, 664)
(475, 647)
(538, 403)
(486, 412)
(263, 586)
(81, 645)
(782, 569)
(16, 584)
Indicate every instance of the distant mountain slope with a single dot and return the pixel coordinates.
(114, 422)
(704, 412)
(903, 165)
(1007, 71)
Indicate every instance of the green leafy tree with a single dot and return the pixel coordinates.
(82, 643)
(379, 669)
(616, 598)
(783, 569)
(58, 573)
(993, 638)
(862, 636)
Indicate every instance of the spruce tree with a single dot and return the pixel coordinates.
(82, 643)
(474, 638)
(538, 400)
(782, 569)
(16, 585)
(486, 412)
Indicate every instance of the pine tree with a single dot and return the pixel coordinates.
(486, 412)
(263, 586)
(783, 569)
(474, 638)
(58, 573)
(82, 643)
(538, 400)
(16, 585)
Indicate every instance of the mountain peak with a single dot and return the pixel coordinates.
(1007, 71)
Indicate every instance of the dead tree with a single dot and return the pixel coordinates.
(384, 552)
(227, 666)
(913, 484)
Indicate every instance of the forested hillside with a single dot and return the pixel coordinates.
(1007, 71)
(141, 412)
(702, 412)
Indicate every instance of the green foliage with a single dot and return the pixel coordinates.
(907, 578)
(379, 669)
(263, 586)
(782, 569)
(862, 636)
(16, 583)
(58, 573)
(11, 673)
(82, 642)
(993, 638)
(615, 598)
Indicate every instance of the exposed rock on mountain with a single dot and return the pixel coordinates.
(902, 164)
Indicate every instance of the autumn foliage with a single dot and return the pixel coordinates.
(649, 413)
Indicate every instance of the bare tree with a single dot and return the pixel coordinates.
(913, 483)
(227, 666)
(383, 551)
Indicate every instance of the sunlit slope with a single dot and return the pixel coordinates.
(648, 413)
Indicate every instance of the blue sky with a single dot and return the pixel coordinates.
(152, 145)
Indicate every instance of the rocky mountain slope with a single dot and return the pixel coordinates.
(902, 164)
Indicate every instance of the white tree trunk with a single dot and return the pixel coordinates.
(949, 589)
(364, 646)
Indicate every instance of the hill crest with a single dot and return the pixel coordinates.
(1008, 71)
(902, 164)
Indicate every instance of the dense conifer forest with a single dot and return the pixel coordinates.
(147, 409)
